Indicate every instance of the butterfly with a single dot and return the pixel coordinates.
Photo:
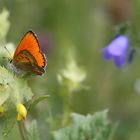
(28, 57)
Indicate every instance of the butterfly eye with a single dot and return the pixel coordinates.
(10, 61)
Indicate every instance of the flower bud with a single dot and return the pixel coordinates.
(22, 112)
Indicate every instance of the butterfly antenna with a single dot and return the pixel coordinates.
(8, 51)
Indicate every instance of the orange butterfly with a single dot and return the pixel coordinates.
(28, 57)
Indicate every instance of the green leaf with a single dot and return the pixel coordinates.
(32, 131)
(8, 120)
(13, 88)
(9, 123)
(12, 91)
(3, 95)
(90, 127)
(36, 100)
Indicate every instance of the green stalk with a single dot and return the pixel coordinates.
(22, 130)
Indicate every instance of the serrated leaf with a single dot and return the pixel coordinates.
(36, 100)
(13, 87)
(90, 127)
(32, 131)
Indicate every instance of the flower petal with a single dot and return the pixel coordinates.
(106, 54)
(118, 46)
(119, 60)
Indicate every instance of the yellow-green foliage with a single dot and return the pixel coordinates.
(4, 24)
(90, 127)
(13, 88)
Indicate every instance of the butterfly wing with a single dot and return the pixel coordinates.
(28, 56)
(30, 44)
(25, 61)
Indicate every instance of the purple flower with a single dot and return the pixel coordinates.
(117, 50)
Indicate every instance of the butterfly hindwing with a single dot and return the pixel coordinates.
(26, 62)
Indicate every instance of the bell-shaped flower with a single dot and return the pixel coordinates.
(117, 50)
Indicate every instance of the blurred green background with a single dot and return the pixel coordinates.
(86, 26)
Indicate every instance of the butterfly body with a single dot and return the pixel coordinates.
(28, 57)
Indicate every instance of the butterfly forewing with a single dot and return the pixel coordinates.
(30, 44)
(28, 56)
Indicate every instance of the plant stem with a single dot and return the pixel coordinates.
(22, 129)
